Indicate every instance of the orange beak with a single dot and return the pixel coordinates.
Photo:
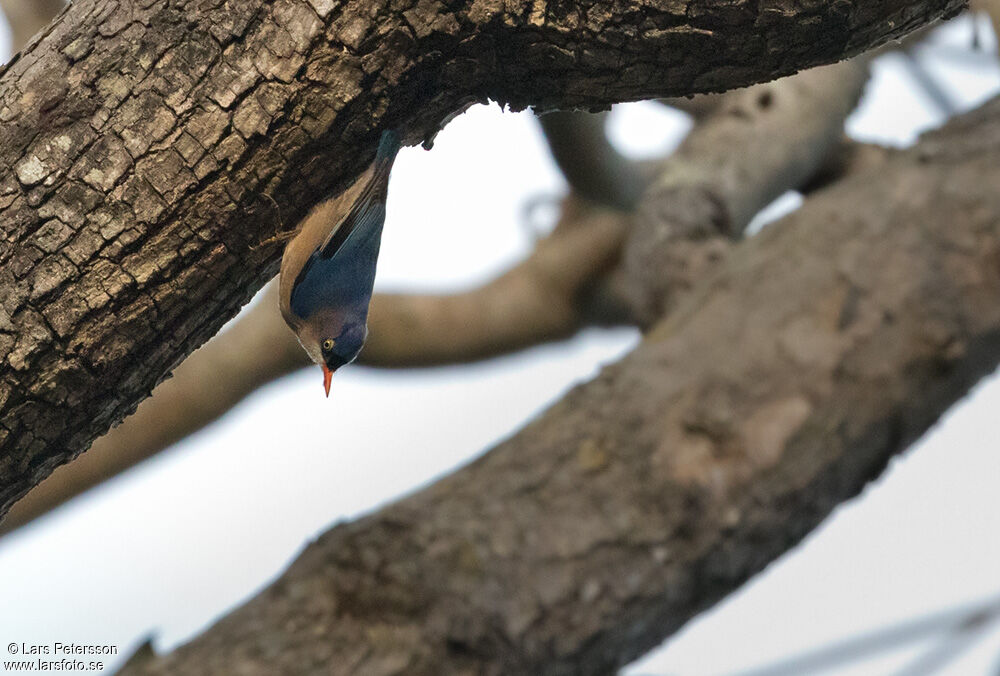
(327, 377)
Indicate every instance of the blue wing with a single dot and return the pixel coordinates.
(342, 275)
(341, 272)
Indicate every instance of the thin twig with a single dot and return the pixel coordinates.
(881, 640)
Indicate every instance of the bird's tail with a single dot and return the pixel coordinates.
(388, 146)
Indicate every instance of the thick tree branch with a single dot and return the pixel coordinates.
(544, 298)
(762, 142)
(775, 391)
(258, 349)
(149, 147)
(556, 291)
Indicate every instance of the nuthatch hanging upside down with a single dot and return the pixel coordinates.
(328, 269)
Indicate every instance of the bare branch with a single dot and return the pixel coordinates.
(949, 623)
(698, 106)
(761, 142)
(549, 296)
(779, 388)
(258, 349)
(850, 157)
(927, 83)
(591, 165)
(150, 147)
(992, 10)
(544, 298)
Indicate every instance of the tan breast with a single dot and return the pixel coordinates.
(313, 231)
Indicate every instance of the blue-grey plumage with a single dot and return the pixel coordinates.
(328, 268)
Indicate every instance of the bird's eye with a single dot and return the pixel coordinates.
(328, 344)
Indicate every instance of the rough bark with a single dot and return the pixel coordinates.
(544, 298)
(149, 147)
(564, 285)
(776, 390)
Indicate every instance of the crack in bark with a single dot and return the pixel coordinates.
(133, 77)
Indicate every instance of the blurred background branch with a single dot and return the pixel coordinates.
(680, 217)
(759, 143)
(776, 389)
(542, 299)
(698, 106)
(197, 153)
(592, 167)
(953, 628)
(703, 197)
(992, 9)
(28, 17)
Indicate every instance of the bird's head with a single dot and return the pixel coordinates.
(332, 339)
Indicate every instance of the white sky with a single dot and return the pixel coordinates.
(166, 548)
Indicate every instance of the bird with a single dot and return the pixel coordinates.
(328, 268)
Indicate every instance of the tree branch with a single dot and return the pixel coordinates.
(762, 142)
(850, 157)
(698, 107)
(992, 10)
(591, 165)
(555, 292)
(775, 391)
(150, 147)
(544, 298)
